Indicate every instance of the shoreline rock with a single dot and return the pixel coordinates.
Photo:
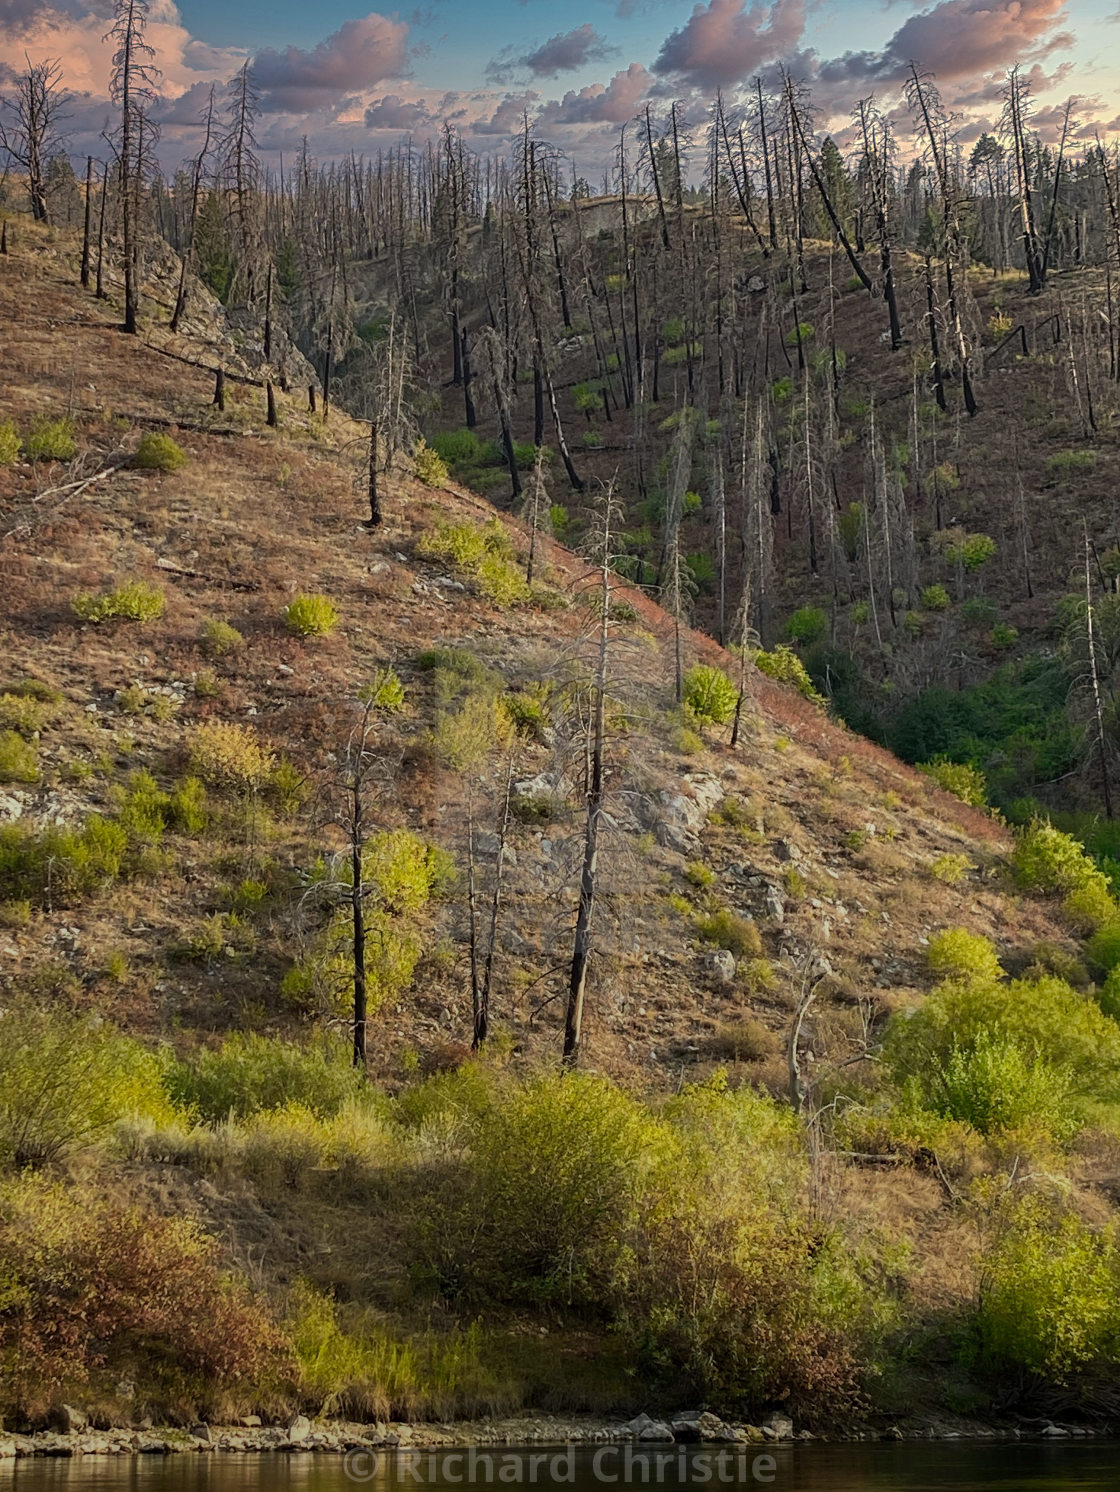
(301, 1435)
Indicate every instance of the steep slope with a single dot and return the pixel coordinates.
(733, 883)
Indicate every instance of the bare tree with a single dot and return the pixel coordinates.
(132, 89)
(30, 126)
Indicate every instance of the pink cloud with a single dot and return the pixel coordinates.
(959, 38)
(612, 103)
(725, 42)
(355, 57)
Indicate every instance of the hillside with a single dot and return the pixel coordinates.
(734, 883)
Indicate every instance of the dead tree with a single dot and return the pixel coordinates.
(132, 89)
(581, 950)
(197, 170)
(30, 121)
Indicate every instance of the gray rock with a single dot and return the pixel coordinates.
(720, 965)
(779, 1425)
(756, 285)
(645, 1428)
(671, 837)
(7, 1448)
(785, 849)
(250, 1421)
(201, 1432)
(775, 904)
(299, 1428)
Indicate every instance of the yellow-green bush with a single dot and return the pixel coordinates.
(481, 551)
(429, 466)
(994, 1084)
(785, 667)
(959, 954)
(250, 1073)
(51, 440)
(709, 695)
(59, 865)
(135, 601)
(961, 779)
(9, 443)
(311, 615)
(951, 869)
(219, 637)
(384, 691)
(226, 755)
(65, 1082)
(24, 713)
(19, 760)
(158, 452)
(725, 929)
(1048, 1302)
(1048, 861)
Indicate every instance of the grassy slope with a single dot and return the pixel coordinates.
(255, 517)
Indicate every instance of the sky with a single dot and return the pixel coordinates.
(353, 79)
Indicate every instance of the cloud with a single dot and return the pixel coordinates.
(507, 117)
(613, 103)
(355, 57)
(565, 52)
(725, 42)
(959, 38)
(394, 113)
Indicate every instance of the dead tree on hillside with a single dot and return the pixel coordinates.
(198, 169)
(608, 517)
(132, 89)
(30, 126)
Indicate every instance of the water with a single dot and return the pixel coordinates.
(1079, 1466)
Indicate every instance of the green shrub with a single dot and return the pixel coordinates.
(65, 1081)
(851, 528)
(1048, 861)
(807, 625)
(187, 807)
(9, 443)
(1003, 636)
(951, 869)
(19, 759)
(59, 866)
(219, 638)
(159, 453)
(457, 447)
(51, 440)
(384, 691)
(936, 598)
(135, 601)
(803, 332)
(1071, 463)
(226, 755)
(709, 695)
(785, 667)
(959, 954)
(963, 780)
(970, 550)
(1092, 905)
(311, 616)
(994, 1085)
(1103, 949)
(429, 467)
(1048, 1020)
(725, 929)
(481, 551)
(248, 1073)
(1048, 1304)
(540, 1210)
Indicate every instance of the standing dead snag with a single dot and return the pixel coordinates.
(132, 89)
(30, 122)
(581, 951)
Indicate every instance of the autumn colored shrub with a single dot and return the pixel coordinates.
(96, 1292)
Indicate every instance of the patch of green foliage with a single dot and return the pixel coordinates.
(135, 601)
(311, 616)
(157, 452)
(709, 695)
(50, 440)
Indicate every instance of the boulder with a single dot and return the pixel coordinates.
(201, 1432)
(779, 1425)
(720, 965)
(644, 1428)
(756, 285)
(775, 904)
(299, 1427)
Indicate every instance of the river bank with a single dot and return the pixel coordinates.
(75, 1438)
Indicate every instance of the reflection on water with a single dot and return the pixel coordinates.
(888, 1467)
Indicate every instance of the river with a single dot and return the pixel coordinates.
(956, 1466)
